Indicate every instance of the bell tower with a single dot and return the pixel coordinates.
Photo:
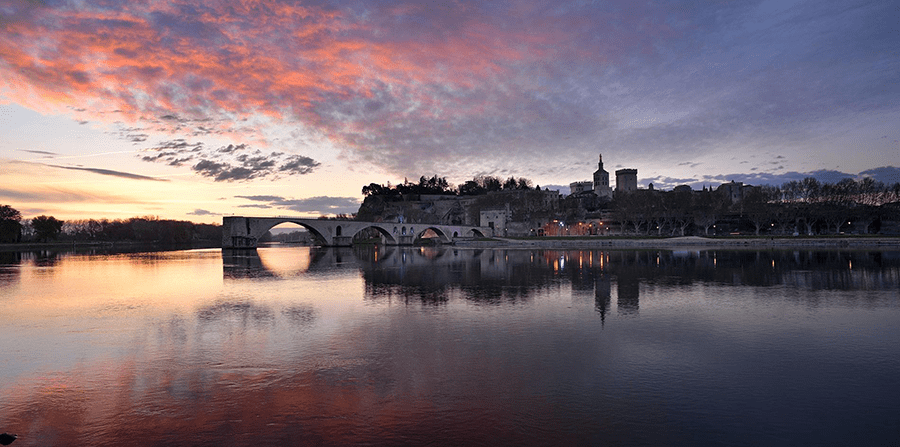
(601, 181)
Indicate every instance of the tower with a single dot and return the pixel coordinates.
(626, 180)
(601, 181)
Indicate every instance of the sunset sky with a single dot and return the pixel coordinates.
(195, 109)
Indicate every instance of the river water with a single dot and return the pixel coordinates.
(451, 346)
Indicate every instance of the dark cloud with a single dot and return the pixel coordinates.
(220, 173)
(320, 205)
(121, 174)
(663, 182)
(299, 165)
(201, 212)
(228, 163)
(231, 148)
(257, 162)
(261, 198)
(768, 178)
(885, 174)
(51, 154)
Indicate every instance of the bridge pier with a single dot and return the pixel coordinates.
(404, 240)
(342, 241)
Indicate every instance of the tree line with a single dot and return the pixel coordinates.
(806, 206)
(147, 229)
(479, 185)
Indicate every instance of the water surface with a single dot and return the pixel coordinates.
(451, 347)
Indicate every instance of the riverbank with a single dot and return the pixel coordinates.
(101, 245)
(688, 241)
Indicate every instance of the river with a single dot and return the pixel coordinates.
(451, 346)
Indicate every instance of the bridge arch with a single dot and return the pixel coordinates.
(474, 232)
(314, 232)
(442, 236)
(390, 239)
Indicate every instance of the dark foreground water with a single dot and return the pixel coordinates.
(299, 346)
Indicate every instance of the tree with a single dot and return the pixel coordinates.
(489, 183)
(10, 226)
(471, 188)
(374, 189)
(678, 204)
(46, 227)
(757, 207)
(706, 208)
(633, 207)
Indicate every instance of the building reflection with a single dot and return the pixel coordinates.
(602, 296)
(434, 275)
(628, 292)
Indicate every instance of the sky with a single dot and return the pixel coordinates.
(198, 109)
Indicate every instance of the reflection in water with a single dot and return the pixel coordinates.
(302, 315)
(451, 346)
(602, 295)
(514, 275)
(628, 293)
(503, 276)
(242, 312)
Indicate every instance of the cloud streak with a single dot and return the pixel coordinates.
(110, 172)
(47, 153)
(64, 195)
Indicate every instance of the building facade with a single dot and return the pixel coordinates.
(626, 180)
(580, 187)
(496, 219)
(735, 191)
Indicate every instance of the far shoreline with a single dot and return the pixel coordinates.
(576, 242)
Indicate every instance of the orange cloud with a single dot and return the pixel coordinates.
(367, 77)
(240, 58)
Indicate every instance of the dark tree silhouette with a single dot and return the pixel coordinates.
(46, 227)
(10, 226)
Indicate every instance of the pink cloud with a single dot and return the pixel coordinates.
(351, 76)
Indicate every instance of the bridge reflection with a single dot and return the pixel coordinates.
(434, 276)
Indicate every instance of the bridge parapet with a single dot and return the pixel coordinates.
(245, 232)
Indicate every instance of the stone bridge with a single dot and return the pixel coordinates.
(244, 232)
